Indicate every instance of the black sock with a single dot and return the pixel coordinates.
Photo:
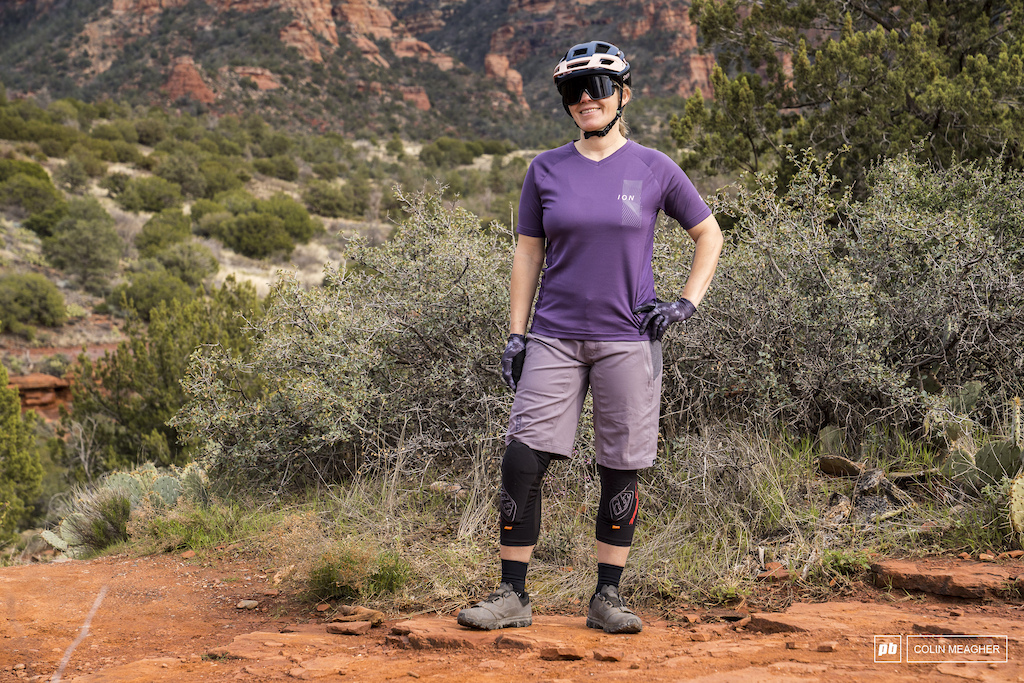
(514, 573)
(608, 575)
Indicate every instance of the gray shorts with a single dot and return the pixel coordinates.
(625, 380)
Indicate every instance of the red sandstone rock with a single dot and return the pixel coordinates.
(186, 81)
(349, 628)
(263, 78)
(42, 393)
(298, 35)
(561, 653)
(497, 67)
(965, 580)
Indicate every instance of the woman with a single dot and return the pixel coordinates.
(589, 210)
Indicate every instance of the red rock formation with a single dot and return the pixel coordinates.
(496, 67)
(43, 393)
(263, 78)
(367, 17)
(417, 49)
(144, 7)
(532, 6)
(694, 69)
(314, 14)
(298, 35)
(369, 50)
(186, 81)
(416, 95)
(424, 22)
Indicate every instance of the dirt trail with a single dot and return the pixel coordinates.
(166, 618)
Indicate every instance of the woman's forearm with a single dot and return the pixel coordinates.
(707, 237)
(526, 266)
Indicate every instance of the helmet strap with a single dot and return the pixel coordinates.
(607, 129)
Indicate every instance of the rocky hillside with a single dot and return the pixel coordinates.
(421, 68)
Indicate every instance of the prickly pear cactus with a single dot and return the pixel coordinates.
(960, 465)
(167, 490)
(123, 481)
(55, 540)
(1017, 504)
(998, 460)
(195, 486)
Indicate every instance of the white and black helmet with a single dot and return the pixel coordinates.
(596, 67)
(595, 57)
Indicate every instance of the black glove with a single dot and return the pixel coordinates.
(512, 360)
(661, 314)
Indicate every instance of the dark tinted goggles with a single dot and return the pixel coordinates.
(598, 86)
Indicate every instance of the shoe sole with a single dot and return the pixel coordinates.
(511, 622)
(624, 628)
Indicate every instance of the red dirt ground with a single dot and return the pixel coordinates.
(165, 618)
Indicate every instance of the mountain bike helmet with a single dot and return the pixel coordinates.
(593, 67)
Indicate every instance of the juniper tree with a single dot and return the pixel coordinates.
(21, 474)
(944, 78)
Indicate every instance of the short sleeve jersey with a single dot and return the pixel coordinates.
(598, 220)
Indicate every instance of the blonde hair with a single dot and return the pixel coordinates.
(623, 126)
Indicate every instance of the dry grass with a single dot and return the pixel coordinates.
(714, 509)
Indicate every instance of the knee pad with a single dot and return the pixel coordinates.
(522, 471)
(620, 505)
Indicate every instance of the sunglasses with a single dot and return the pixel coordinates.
(598, 86)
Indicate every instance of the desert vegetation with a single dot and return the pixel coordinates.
(867, 319)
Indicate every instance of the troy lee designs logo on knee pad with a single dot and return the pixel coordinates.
(507, 506)
(622, 504)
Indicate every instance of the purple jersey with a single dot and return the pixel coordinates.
(598, 219)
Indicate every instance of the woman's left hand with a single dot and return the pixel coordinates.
(661, 314)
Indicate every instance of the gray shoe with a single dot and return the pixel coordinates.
(609, 614)
(502, 609)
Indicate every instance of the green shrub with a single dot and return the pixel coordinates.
(349, 572)
(85, 244)
(147, 290)
(150, 194)
(201, 207)
(162, 230)
(126, 152)
(297, 223)
(28, 194)
(107, 131)
(190, 261)
(29, 299)
(183, 171)
(124, 400)
(395, 146)
(71, 175)
(95, 152)
(236, 201)
(212, 224)
(91, 163)
(255, 235)
(855, 313)
(327, 170)
(281, 167)
(219, 177)
(450, 152)
(150, 131)
(411, 331)
(43, 222)
(325, 199)
(10, 167)
(115, 183)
